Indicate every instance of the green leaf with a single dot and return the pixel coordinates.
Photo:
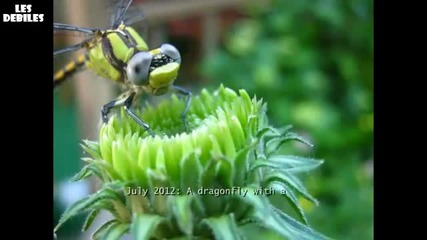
(88, 170)
(101, 168)
(191, 172)
(264, 131)
(89, 219)
(224, 172)
(293, 200)
(285, 130)
(227, 138)
(181, 209)
(291, 164)
(121, 212)
(120, 159)
(115, 231)
(237, 132)
(208, 100)
(144, 225)
(247, 101)
(273, 219)
(299, 164)
(241, 166)
(85, 204)
(116, 185)
(228, 94)
(300, 231)
(274, 144)
(84, 173)
(269, 133)
(293, 182)
(105, 204)
(155, 179)
(75, 209)
(115, 191)
(116, 203)
(223, 227)
(100, 232)
(92, 148)
(185, 238)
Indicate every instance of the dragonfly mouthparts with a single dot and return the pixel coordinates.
(160, 60)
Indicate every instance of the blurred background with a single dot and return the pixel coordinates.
(311, 61)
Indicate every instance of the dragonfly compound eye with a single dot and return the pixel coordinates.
(138, 68)
(171, 51)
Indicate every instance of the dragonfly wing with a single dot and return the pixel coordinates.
(71, 48)
(67, 27)
(62, 27)
(133, 15)
(118, 9)
(124, 11)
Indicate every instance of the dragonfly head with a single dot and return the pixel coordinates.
(156, 69)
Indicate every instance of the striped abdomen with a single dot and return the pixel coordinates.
(65, 72)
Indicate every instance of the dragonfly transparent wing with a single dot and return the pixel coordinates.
(119, 10)
(133, 16)
(67, 27)
(124, 11)
(86, 33)
(71, 48)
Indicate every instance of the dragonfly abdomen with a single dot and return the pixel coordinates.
(65, 72)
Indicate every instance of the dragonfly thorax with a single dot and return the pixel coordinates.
(112, 50)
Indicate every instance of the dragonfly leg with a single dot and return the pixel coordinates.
(125, 101)
(107, 107)
(186, 93)
(127, 104)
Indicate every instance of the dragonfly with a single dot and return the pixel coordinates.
(120, 54)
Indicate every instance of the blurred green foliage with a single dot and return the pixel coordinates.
(312, 61)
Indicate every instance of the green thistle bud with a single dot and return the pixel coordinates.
(203, 183)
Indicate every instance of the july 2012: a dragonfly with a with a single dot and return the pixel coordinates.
(120, 54)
